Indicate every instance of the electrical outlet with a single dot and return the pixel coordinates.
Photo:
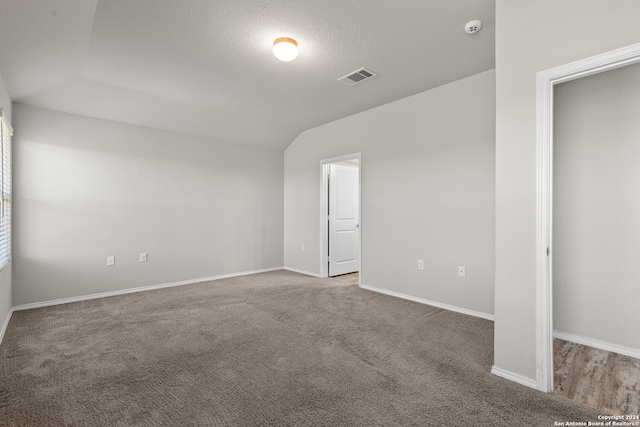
(461, 271)
(302, 247)
(111, 260)
(143, 257)
(420, 264)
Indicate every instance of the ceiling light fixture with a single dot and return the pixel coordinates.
(285, 49)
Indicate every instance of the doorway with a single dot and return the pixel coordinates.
(545, 87)
(596, 239)
(340, 216)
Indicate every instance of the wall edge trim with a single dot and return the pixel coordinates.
(5, 324)
(461, 310)
(49, 303)
(595, 343)
(516, 378)
(307, 273)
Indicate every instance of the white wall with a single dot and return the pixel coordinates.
(86, 189)
(5, 273)
(427, 192)
(554, 35)
(596, 206)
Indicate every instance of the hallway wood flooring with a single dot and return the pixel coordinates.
(351, 278)
(607, 381)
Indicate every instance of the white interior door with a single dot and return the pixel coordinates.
(344, 220)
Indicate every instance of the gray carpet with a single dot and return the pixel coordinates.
(271, 349)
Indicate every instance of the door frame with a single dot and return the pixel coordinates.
(546, 80)
(324, 209)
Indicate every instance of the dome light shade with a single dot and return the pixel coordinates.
(285, 49)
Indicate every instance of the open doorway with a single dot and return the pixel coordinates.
(596, 239)
(340, 217)
(545, 249)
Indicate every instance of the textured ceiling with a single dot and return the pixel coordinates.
(205, 67)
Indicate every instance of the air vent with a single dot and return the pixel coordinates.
(357, 76)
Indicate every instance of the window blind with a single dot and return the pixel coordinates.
(5, 186)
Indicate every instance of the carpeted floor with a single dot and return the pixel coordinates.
(271, 349)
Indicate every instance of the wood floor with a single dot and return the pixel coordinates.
(607, 381)
(351, 278)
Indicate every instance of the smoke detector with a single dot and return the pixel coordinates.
(473, 27)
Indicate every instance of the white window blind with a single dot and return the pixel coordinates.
(5, 186)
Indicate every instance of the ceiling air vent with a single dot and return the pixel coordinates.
(357, 76)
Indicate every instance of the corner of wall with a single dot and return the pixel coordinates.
(6, 282)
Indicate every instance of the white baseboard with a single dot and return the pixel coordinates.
(428, 302)
(307, 273)
(516, 378)
(139, 289)
(602, 345)
(5, 324)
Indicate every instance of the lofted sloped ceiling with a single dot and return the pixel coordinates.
(205, 67)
